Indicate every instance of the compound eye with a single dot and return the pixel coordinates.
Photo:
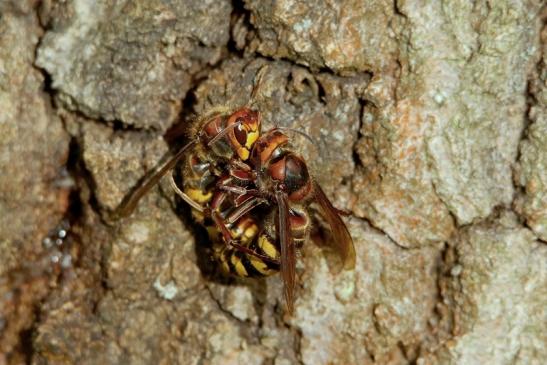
(240, 134)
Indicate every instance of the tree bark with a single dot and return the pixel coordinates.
(429, 124)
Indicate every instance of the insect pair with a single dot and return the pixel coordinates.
(252, 192)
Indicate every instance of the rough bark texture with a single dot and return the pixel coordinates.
(430, 122)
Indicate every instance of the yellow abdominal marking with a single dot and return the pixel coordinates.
(236, 231)
(224, 264)
(245, 236)
(199, 196)
(198, 216)
(260, 265)
(249, 234)
(266, 246)
(238, 265)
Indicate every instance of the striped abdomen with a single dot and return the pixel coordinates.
(200, 186)
(236, 262)
(199, 183)
(246, 231)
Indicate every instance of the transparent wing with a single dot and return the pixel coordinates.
(129, 203)
(288, 252)
(342, 241)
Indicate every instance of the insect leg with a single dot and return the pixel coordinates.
(183, 195)
(233, 189)
(239, 164)
(244, 209)
(230, 242)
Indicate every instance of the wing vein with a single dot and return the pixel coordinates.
(288, 253)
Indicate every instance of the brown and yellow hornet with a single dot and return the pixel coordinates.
(252, 192)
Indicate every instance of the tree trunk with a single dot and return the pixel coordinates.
(429, 126)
